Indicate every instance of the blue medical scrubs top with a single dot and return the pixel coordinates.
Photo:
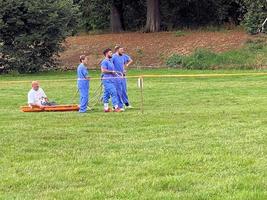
(107, 65)
(82, 73)
(120, 61)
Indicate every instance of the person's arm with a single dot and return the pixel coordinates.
(104, 69)
(44, 95)
(30, 100)
(85, 74)
(128, 61)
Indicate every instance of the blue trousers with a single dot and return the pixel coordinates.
(110, 91)
(124, 95)
(118, 83)
(83, 87)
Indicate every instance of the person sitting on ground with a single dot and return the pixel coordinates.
(37, 96)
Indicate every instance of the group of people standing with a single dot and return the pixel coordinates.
(113, 72)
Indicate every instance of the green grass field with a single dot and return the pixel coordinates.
(199, 138)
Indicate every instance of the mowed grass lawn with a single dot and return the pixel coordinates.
(199, 138)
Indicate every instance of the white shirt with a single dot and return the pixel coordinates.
(36, 97)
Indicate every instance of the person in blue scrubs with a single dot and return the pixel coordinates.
(109, 83)
(83, 83)
(118, 62)
(121, 61)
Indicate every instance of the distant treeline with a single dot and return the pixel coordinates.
(156, 15)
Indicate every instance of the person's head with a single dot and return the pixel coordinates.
(107, 53)
(119, 49)
(35, 85)
(84, 59)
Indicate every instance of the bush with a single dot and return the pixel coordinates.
(31, 32)
(175, 60)
(200, 59)
(253, 55)
(179, 33)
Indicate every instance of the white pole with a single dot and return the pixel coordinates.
(140, 84)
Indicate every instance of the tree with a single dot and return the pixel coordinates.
(32, 32)
(134, 14)
(116, 20)
(153, 16)
(95, 14)
(255, 15)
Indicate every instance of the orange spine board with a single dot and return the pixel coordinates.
(61, 108)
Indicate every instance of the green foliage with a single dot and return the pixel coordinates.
(197, 13)
(174, 13)
(179, 33)
(134, 14)
(31, 32)
(95, 14)
(256, 45)
(249, 57)
(176, 60)
(200, 59)
(256, 14)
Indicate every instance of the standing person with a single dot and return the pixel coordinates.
(121, 62)
(83, 83)
(118, 62)
(108, 80)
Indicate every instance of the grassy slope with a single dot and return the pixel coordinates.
(251, 56)
(200, 138)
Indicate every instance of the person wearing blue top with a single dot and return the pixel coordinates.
(118, 61)
(83, 83)
(121, 61)
(108, 80)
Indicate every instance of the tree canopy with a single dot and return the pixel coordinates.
(32, 32)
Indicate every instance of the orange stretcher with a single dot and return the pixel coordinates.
(60, 108)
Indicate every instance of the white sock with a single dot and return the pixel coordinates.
(105, 106)
(116, 106)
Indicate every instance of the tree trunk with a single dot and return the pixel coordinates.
(115, 19)
(153, 16)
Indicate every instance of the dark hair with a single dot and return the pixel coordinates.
(82, 57)
(106, 51)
